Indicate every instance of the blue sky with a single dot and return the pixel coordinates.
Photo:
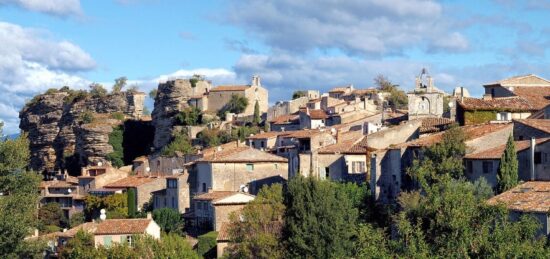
(290, 44)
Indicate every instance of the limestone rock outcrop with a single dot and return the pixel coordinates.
(56, 125)
(172, 97)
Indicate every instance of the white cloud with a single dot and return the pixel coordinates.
(31, 62)
(60, 8)
(367, 27)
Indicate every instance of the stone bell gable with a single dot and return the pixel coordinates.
(426, 100)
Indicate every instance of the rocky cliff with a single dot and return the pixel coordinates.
(60, 125)
(172, 97)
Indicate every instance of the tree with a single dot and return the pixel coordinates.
(115, 204)
(195, 79)
(132, 202)
(76, 219)
(298, 94)
(398, 98)
(190, 116)
(153, 94)
(319, 221)
(169, 220)
(180, 144)
(115, 140)
(259, 234)
(18, 201)
(97, 90)
(237, 104)
(443, 159)
(257, 118)
(51, 214)
(507, 176)
(119, 84)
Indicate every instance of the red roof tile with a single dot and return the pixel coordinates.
(496, 153)
(131, 181)
(269, 134)
(542, 125)
(242, 155)
(317, 114)
(286, 119)
(230, 88)
(216, 195)
(122, 226)
(538, 97)
(526, 197)
(514, 103)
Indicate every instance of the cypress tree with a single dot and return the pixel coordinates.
(132, 202)
(508, 169)
(257, 118)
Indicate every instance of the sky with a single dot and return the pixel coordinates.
(292, 45)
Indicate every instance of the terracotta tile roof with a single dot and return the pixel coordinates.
(514, 103)
(230, 88)
(364, 91)
(287, 119)
(242, 155)
(315, 100)
(131, 181)
(538, 97)
(227, 146)
(305, 133)
(431, 125)
(496, 153)
(542, 125)
(269, 134)
(88, 227)
(122, 226)
(317, 114)
(62, 184)
(340, 89)
(216, 195)
(470, 131)
(526, 197)
(522, 80)
(356, 145)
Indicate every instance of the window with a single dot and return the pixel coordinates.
(172, 183)
(503, 116)
(203, 187)
(538, 158)
(469, 166)
(107, 241)
(262, 144)
(129, 240)
(487, 167)
(276, 166)
(174, 202)
(357, 167)
(250, 167)
(327, 172)
(493, 92)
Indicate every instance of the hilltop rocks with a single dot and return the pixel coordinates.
(56, 127)
(171, 99)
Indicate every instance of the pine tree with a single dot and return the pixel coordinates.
(132, 202)
(257, 118)
(508, 169)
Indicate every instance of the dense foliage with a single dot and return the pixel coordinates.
(190, 116)
(18, 199)
(51, 217)
(398, 98)
(132, 202)
(477, 117)
(298, 94)
(119, 84)
(169, 220)
(169, 246)
(206, 246)
(115, 204)
(179, 144)
(97, 90)
(507, 176)
(237, 104)
(115, 140)
(257, 116)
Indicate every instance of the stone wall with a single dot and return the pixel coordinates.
(394, 135)
(222, 214)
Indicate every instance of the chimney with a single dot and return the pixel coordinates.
(532, 158)
(210, 190)
(149, 215)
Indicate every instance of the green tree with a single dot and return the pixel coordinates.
(507, 176)
(180, 144)
(132, 202)
(115, 140)
(259, 234)
(18, 201)
(320, 220)
(81, 246)
(398, 98)
(153, 94)
(209, 137)
(206, 245)
(119, 84)
(169, 220)
(190, 116)
(115, 204)
(257, 117)
(442, 160)
(298, 94)
(237, 104)
(51, 214)
(76, 219)
(97, 90)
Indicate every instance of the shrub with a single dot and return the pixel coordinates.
(206, 246)
(97, 90)
(87, 117)
(115, 140)
(180, 143)
(298, 94)
(169, 220)
(117, 116)
(190, 116)
(76, 219)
